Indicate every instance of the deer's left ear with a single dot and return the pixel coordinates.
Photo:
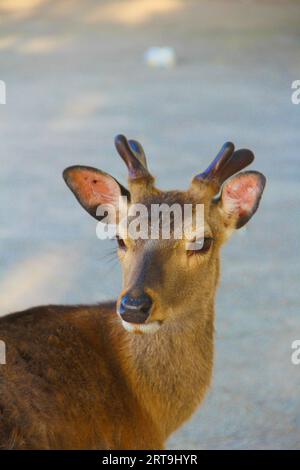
(94, 188)
(240, 198)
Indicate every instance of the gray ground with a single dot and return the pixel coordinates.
(75, 77)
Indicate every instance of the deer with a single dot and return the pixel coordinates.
(126, 374)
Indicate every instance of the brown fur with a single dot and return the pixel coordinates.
(64, 388)
(65, 385)
(76, 379)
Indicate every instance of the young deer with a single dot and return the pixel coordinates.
(126, 374)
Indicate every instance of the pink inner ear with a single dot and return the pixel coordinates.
(241, 194)
(94, 188)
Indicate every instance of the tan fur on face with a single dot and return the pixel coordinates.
(163, 268)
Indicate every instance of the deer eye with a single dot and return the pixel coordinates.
(121, 243)
(199, 246)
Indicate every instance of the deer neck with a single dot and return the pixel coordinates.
(170, 370)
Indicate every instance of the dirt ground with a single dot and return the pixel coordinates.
(75, 77)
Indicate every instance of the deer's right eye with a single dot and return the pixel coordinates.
(200, 246)
(121, 243)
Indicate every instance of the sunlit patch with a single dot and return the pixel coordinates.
(42, 45)
(8, 41)
(20, 8)
(34, 280)
(142, 328)
(132, 11)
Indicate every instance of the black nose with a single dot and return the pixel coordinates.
(135, 309)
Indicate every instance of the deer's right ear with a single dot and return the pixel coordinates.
(93, 188)
(240, 198)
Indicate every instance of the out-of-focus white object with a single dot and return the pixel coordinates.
(160, 57)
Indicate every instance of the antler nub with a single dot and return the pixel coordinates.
(213, 171)
(138, 151)
(227, 163)
(133, 155)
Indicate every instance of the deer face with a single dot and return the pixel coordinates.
(173, 271)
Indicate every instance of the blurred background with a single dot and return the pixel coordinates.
(76, 76)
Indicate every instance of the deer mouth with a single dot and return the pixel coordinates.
(142, 328)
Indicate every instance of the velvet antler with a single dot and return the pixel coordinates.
(134, 157)
(138, 151)
(227, 163)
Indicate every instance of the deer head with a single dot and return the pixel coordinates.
(165, 279)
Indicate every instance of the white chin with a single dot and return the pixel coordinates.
(142, 327)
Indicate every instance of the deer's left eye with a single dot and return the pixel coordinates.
(199, 246)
